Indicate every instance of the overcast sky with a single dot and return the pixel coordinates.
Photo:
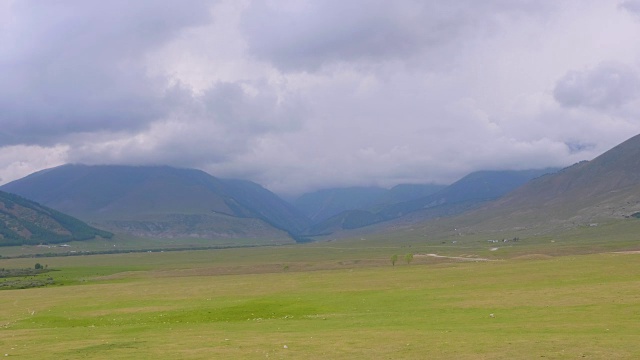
(299, 95)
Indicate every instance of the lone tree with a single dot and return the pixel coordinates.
(409, 258)
(394, 258)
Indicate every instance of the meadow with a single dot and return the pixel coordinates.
(538, 298)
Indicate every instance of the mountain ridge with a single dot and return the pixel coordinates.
(150, 200)
(604, 189)
(468, 193)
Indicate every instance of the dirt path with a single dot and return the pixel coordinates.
(454, 257)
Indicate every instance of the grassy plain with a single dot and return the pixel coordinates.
(338, 300)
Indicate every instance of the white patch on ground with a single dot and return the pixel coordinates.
(454, 257)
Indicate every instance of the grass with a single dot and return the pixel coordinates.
(570, 298)
(126, 243)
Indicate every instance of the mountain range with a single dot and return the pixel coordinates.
(161, 201)
(467, 193)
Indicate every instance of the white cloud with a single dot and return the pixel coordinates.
(21, 160)
(604, 87)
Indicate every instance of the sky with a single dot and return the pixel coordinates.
(299, 95)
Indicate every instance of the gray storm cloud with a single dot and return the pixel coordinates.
(77, 66)
(633, 6)
(309, 34)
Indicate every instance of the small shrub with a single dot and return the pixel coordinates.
(409, 258)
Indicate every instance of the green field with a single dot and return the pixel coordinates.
(549, 296)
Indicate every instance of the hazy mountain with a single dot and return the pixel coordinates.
(467, 193)
(161, 201)
(323, 204)
(473, 189)
(266, 205)
(25, 222)
(407, 192)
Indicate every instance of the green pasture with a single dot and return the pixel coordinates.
(333, 300)
(126, 243)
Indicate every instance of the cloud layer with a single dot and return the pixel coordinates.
(299, 95)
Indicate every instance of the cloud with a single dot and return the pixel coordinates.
(77, 66)
(633, 6)
(299, 95)
(306, 35)
(331, 31)
(21, 160)
(606, 86)
(250, 110)
(205, 129)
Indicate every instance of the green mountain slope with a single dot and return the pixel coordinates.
(161, 201)
(25, 222)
